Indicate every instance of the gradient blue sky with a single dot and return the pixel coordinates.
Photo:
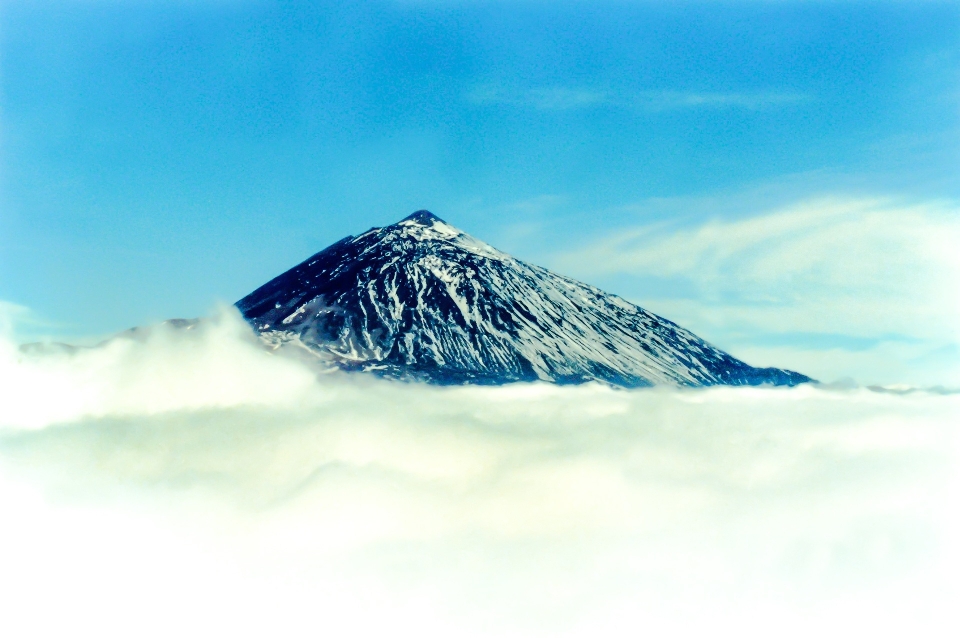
(160, 156)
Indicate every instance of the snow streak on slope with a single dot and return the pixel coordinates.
(420, 299)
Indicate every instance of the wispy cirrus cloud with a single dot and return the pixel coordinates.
(668, 100)
(566, 98)
(19, 320)
(547, 98)
(871, 280)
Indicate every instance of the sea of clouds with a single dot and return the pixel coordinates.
(188, 482)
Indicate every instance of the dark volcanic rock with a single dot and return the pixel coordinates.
(422, 300)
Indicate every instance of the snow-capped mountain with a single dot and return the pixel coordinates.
(422, 300)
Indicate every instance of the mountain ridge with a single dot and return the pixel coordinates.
(422, 300)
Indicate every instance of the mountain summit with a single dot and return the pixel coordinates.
(423, 217)
(422, 300)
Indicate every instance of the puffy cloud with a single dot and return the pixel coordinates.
(214, 363)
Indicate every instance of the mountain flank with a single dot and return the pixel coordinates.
(421, 300)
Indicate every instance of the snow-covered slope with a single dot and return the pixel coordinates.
(422, 300)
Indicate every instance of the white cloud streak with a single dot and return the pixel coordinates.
(566, 98)
(753, 101)
(188, 482)
(549, 98)
(864, 268)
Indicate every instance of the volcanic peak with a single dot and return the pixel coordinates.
(422, 300)
(422, 217)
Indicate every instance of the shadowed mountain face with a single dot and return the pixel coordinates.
(422, 300)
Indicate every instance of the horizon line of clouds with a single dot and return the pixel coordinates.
(566, 98)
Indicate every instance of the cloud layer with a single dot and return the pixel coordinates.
(185, 480)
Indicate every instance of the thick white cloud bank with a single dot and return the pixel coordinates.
(188, 483)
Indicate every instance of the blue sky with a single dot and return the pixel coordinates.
(156, 157)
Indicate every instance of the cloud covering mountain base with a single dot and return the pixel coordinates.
(187, 481)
